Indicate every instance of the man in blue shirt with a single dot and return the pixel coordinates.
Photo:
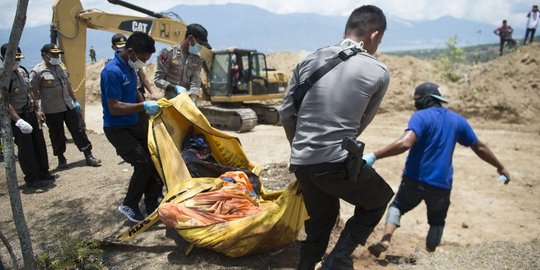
(121, 104)
(431, 136)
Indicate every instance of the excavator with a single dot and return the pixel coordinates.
(237, 80)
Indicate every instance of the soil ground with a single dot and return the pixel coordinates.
(501, 100)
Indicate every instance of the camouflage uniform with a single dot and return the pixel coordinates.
(174, 67)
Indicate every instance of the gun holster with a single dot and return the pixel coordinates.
(354, 166)
(374, 192)
(354, 162)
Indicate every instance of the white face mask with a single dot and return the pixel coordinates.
(54, 61)
(195, 49)
(136, 65)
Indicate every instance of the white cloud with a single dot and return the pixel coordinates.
(488, 11)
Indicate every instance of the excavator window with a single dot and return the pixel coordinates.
(259, 74)
(219, 75)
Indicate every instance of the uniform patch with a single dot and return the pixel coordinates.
(163, 58)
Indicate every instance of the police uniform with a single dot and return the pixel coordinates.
(52, 83)
(175, 67)
(31, 147)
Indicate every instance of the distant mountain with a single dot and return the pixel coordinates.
(246, 26)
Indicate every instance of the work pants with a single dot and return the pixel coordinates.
(322, 186)
(55, 122)
(411, 192)
(32, 151)
(529, 33)
(131, 145)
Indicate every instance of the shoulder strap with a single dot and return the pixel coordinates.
(26, 71)
(301, 90)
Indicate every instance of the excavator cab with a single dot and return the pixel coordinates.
(239, 72)
(236, 80)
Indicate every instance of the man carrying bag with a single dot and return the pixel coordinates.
(346, 85)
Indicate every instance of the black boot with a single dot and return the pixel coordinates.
(341, 256)
(62, 162)
(90, 159)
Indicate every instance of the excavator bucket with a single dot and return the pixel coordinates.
(281, 215)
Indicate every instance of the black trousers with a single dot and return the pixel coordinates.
(322, 186)
(131, 145)
(529, 31)
(55, 122)
(32, 150)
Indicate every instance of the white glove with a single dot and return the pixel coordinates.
(24, 126)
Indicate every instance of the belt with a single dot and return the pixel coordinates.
(24, 110)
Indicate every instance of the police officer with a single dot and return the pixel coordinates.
(179, 68)
(22, 109)
(50, 80)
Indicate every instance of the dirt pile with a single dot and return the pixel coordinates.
(504, 90)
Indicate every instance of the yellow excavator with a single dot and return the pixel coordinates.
(236, 79)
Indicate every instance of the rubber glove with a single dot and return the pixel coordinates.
(180, 89)
(370, 159)
(24, 126)
(77, 106)
(151, 107)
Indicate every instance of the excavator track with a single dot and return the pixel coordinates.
(235, 119)
(266, 114)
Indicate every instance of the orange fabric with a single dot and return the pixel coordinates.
(228, 201)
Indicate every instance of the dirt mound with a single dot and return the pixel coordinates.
(285, 61)
(503, 90)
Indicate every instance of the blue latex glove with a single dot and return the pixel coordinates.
(77, 106)
(151, 107)
(370, 159)
(180, 89)
(503, 179)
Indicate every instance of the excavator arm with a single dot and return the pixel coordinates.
(70, 22)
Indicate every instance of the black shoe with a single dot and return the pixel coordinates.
(62, 162)
(92, 161)
(38, 184)
(377, 249)
(341, 255)
(49, 177)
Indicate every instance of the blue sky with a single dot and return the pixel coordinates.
(488, 11)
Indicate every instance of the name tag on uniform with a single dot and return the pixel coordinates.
(49, 78)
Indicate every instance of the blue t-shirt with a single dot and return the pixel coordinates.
(437, 130)
(118, 81)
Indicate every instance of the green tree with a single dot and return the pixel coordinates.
(449, 58)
